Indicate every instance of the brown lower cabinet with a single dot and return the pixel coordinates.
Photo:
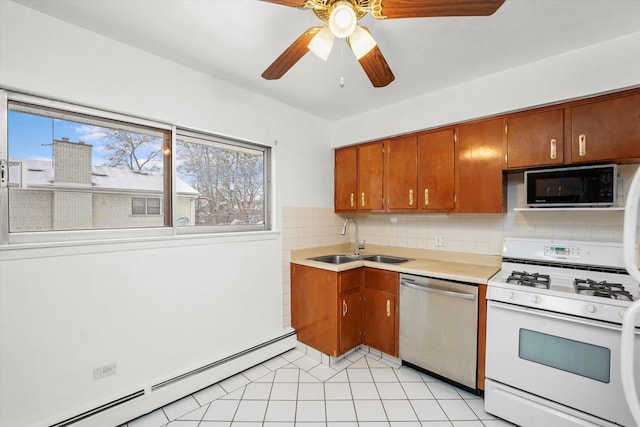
(380, 325)
(336, 311)
(326, 309)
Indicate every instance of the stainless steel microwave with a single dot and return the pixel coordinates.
(572, 186)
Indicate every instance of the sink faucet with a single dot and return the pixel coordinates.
(344, 230)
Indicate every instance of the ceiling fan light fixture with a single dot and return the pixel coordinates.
(361, 42)
(343, 19)
(322, 43)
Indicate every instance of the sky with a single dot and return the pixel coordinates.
(31, 136)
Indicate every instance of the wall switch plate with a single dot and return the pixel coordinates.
(441, 241)
(104, 371)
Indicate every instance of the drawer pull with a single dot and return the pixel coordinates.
(388, 308)
(554, 152)
(344, 308)
(362, 201)
(352, 200)
(426, 196)
(410, 197)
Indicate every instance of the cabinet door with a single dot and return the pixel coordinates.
(535, 139)
(350, 321)
(436, 182)
(314, 299)
(381, 310)
(606, 130)
(370, 169)
(346, 179)
(401, 173)
(380, 321)
(479, 186)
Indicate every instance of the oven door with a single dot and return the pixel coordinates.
(568, 360)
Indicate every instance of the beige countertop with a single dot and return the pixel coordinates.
(464, 267)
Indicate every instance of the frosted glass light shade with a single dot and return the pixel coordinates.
(342, 20)
(322, 43)
(361, 42)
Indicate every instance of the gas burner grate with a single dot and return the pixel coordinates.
(602, 289)
(536, 280)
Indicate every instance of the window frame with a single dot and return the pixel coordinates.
(167, 208)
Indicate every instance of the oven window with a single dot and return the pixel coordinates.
(576, 357)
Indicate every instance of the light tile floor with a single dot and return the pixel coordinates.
(296, 390)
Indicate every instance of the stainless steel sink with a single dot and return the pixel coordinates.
(335, 259)
(386, 259)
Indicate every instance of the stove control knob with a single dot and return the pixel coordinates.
(621, 313)
(535, 299)
(511, 295)
(592, 308)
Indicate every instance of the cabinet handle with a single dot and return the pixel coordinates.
(554, 152)
(426, 196)
(582, 144)
(362, 201)
(388, 308)
(351, 200)
(344, 308)
(410, 197)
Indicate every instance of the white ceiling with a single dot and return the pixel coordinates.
(236, 40)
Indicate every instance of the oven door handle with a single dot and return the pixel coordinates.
(436, 290)
(552, 315)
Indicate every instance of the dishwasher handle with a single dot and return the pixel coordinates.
(437, 290)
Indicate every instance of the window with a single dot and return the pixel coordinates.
(231, 178)
(71, 171)
(145, 206)
(70, 168)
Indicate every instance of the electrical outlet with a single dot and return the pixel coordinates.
(104, 371)
(441, 240)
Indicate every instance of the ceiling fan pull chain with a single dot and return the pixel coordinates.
(342, 65)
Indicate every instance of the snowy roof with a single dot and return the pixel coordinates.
(40, 174)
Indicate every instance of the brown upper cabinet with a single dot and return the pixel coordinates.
(535, 139)
(606, 129)
(358, 178)
(436, 167)
(480, 187)
(431, 171)
(401, 173)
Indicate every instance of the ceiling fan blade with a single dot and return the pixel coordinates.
(392, 9)
(376, 67)
(291, 55)
(292, 3)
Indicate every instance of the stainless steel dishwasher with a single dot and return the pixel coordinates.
(439, 327)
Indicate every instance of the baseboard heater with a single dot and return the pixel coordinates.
(99, 409)
(140, 393)
(219, 362)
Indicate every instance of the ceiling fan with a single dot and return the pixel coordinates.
(341, 18)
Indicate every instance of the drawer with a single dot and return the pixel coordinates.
(381, 280)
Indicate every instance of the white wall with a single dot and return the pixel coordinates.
(158, 307)
(595, 69)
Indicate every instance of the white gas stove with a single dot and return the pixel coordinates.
(585, 279)
(554, 321)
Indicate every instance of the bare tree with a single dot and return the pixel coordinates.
(230, 183)
(133, 151)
